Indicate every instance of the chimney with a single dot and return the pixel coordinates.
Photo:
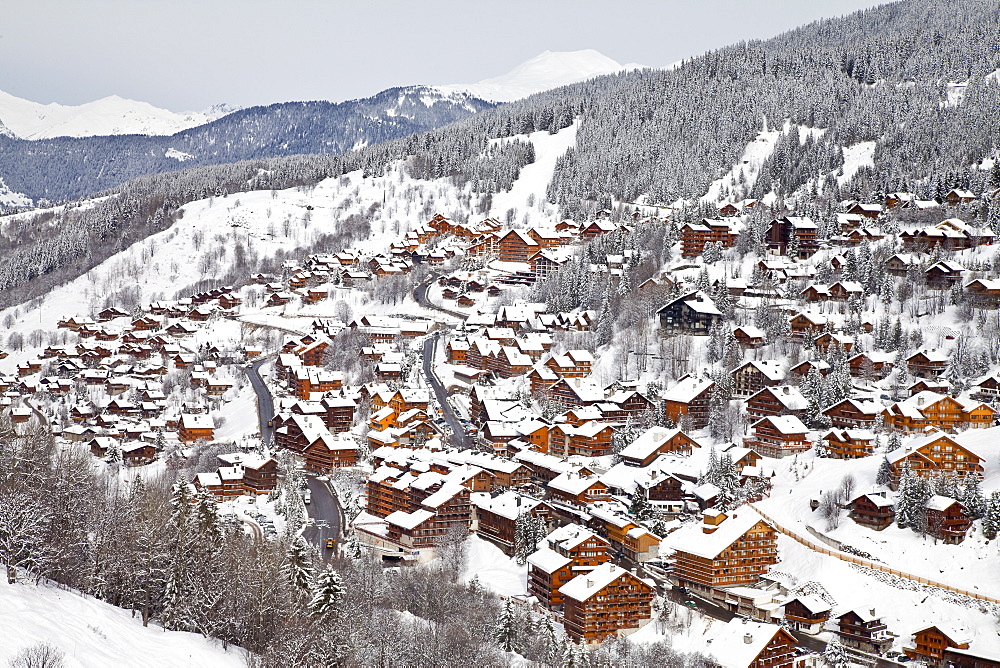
(786, 389)
(590, 583)
(748, 639)
(611, 569)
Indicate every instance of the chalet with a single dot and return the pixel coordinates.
(193, 427)
(260, 474)
(577, 488)
(849, 443)
(723, 551)
(871, 365)
(944, 274)
(778, 436)
(957, 196)
(741, 643)
(827, 340)
(802, 369)
(516, 246)
(870, 211)
(693, 313)
(689, 397)
(605, 601)
(807, 614)
(986, 388)
(874, 510)
(902, 263)
(696, 236)
(927, 363)
(750, 377)
(947, 519)
(933, 453)
(984, 292)
(930, 644)
(930, 409)
(781, 400)
(654, 442)
(497, 516)
(862, 630)
(137, 453)
(748, 336)
(806, 323)
(853, 413)
(793, 230)
(570, 551)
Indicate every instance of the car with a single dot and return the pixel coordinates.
(690, 604)
(330, 543)
(306, 497)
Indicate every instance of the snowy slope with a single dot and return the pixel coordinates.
(94, 634)
(545, 71)
(108, 116)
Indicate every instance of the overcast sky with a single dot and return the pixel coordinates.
(189, 54)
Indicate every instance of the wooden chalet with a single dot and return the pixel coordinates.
(781, 400)
(874, 510)
(497, 516)
(807, 614)
(932, 453)
(750, 377)
(696, 236)
(689, 399)
(693, 313)
(946, 519)
(929, 644)
(782, 231)
(193, 427)
(930, 409)
(742, 643)
(723, 551)
(927, 363)
(862, 630)
(849, 443)
(778, 436)
(569, 551)
(605, 601)
(654, 442)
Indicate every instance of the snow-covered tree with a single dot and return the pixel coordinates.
(505, 627)
(327, 591)
(298, 568)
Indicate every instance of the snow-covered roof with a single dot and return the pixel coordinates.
(547, 560)
(648, 442)
(408, 521)
(687, 389)
(582, 587)
(510, 504)
(693, 540)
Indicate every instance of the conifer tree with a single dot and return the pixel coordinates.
(327, 591)
(884, 474)
(298, 568)
(505, 627)
(972, 497)
(991, 519)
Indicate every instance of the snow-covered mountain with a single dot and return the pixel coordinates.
(108, 116)
(548, 70)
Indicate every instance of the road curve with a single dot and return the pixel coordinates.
(420, 295)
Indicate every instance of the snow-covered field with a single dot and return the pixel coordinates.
(94, 634)
(495, 570)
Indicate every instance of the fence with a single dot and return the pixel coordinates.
(870, 564)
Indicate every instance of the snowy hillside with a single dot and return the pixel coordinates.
(548, 70)
(108, 116)
(93, 633)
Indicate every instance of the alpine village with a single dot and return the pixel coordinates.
(326, 415)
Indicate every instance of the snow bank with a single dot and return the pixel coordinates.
(94, 634)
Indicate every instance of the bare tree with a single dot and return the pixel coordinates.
(39, 655)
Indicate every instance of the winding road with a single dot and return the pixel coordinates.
(459, 439)
(265, 403)
(324, 508)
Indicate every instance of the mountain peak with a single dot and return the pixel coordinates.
(547, 70)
